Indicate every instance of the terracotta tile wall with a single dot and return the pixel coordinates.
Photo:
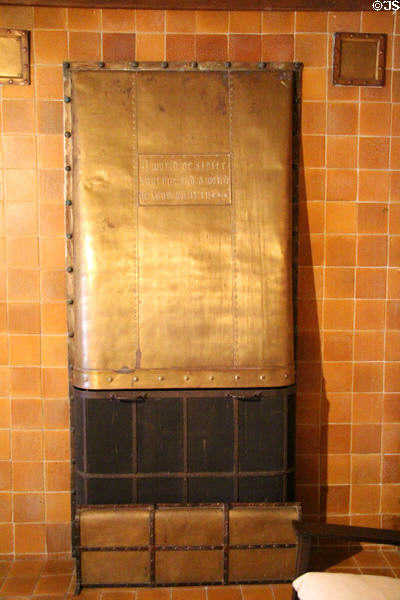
(349, 258)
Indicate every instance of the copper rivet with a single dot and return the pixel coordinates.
(211, 378)
(186, 378)
(67, 99)
(160, 378)
(69, 269)
(69, 236)
(70, 301)
(194, 64)
(68, 168)
(68, 202)
(25, 49)
(10, 81)
(67, 134)
(286, 375)
(71, 334)
(237, 377)
(136, 378)
(262, 376)
(109, 379)
(86, 378)
(25, 81)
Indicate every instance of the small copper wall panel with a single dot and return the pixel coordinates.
(181, 195)
(359, 59)
(193, 544)
(14, 57)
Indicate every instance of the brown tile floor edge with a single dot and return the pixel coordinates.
(54, 579)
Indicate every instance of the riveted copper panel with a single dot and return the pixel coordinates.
(115, 567)
(259, 564)
(261, 168)
(359, 59)
(183, 113)
(194, 566)
(267, 525)
(182, 226)
(105, 220)
(200, 290)
(174, 550)
(189, 527)
(14, 57)
(114, 527)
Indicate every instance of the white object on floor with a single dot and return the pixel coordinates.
(346, 586)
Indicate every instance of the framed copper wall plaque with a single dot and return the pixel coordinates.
(359, 59)
(179, 193)
(14, 57)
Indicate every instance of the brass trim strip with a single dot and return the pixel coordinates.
(166, 379)
(182, 548)
(182, 66)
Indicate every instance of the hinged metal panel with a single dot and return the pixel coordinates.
(179, 191)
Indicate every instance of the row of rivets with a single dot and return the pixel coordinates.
(165, 65)
(161, 377)
(67, 134)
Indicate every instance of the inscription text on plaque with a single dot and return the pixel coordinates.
(184, 179)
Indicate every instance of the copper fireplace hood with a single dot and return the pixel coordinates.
(180, 260)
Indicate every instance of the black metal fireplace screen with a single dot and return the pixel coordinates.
(184, 446)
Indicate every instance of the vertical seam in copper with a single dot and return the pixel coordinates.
(135, 190)
(233, 226)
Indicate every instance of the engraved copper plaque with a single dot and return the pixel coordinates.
(181, 193)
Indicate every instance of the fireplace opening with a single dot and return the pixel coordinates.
(184, 446)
